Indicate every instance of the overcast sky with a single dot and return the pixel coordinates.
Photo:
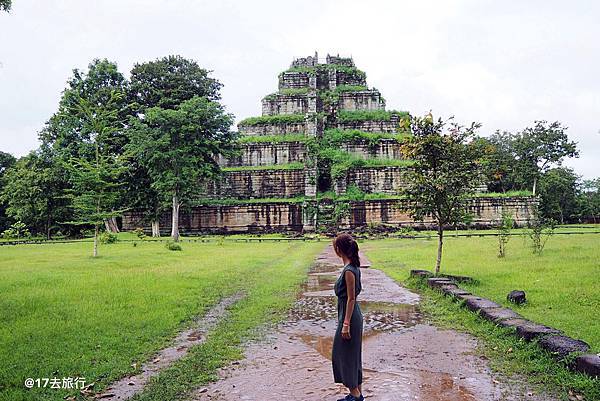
(501, 63)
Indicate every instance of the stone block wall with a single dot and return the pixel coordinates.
(295, 80)
(289, 104)
(284, 183)
(384, 149)
(221, 219)
(486, 212)
(383, 180)
(361, 100)
(265, 154)
(273, 129)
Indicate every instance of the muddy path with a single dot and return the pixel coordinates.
(404, 358)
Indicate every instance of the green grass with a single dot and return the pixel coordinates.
(64, 314)
(346, 116)
(273, 138)
(288, 166)
(507, 194)
(276, 119)
(561, 285)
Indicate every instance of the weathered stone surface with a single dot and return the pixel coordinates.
(516, 297)
(562, 346)
(459, 279)
(273, 129)
(384, 149)
(436, 282)
(454, 292)
(588, 364)
(527, 329)
(285, 183)
(266, 154)
(289, 104)
(383, 180)
(485, 211)
(497, 314)
(361, 100)
(475, 303)
(250, 218)
(421, 273)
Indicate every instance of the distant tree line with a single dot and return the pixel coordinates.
(147, 143)
(114, 144)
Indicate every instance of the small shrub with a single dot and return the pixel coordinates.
(108, 238)
(139, 232)
(506, 224)
(16, 231)
(173, 246)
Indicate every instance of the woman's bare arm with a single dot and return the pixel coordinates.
(351, 291)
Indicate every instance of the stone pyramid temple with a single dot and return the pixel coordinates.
(325, 155)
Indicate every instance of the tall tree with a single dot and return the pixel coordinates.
(6, 160)
(169, 81)
(71, 134)
(165, 83)
(177, 147)
(588, 201)
(558, 190)
(96, 181)
(445, 173)
(33, 192)
(540, 147)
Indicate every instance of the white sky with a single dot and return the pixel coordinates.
(502, 63)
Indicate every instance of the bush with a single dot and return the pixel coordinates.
(16, 231)
(108, 238)
(173, 246)
(139, 232)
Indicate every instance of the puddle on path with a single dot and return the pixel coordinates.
(403, 358)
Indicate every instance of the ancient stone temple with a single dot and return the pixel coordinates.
(324, 155)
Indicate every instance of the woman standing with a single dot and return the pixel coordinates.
(347, 343)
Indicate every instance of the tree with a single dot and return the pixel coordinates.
(5, 5)
(445, 173)
(177, 147)
(95, 182)
(170, 81)
(559, 188)
(6, 161)
(71, 134)
(588, 200)
(163, 83)
(33, 192)
(539, 147)
(499, 162)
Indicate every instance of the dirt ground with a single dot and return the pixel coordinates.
(404, 358)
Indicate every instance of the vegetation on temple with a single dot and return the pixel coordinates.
(346, 116)
(276, 119)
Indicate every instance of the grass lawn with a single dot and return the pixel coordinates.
(562, 285)
(65, 314)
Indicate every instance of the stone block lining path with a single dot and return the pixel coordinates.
(404, 357)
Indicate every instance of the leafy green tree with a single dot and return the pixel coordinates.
(499, 161)
(169, 81)
(96, 183)
(588, 200)
(446, 172)
(163, 83)
(558, 190)
(5, 5)
(6, 160)
(33, 192)
(540, 147)
(177, 147)
(71, 134)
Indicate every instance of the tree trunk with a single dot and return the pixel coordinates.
(155, 228)
(175, 218)
(438, 262)
(534, 185)
(111, 225)
(96, 230)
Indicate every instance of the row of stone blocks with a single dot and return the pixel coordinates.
(550, 339)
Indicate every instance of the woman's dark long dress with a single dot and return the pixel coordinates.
(346, 354)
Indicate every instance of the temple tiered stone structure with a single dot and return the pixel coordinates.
(324, 155)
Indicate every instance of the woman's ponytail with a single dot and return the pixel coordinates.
(346, 245)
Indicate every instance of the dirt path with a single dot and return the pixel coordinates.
(403, 357)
